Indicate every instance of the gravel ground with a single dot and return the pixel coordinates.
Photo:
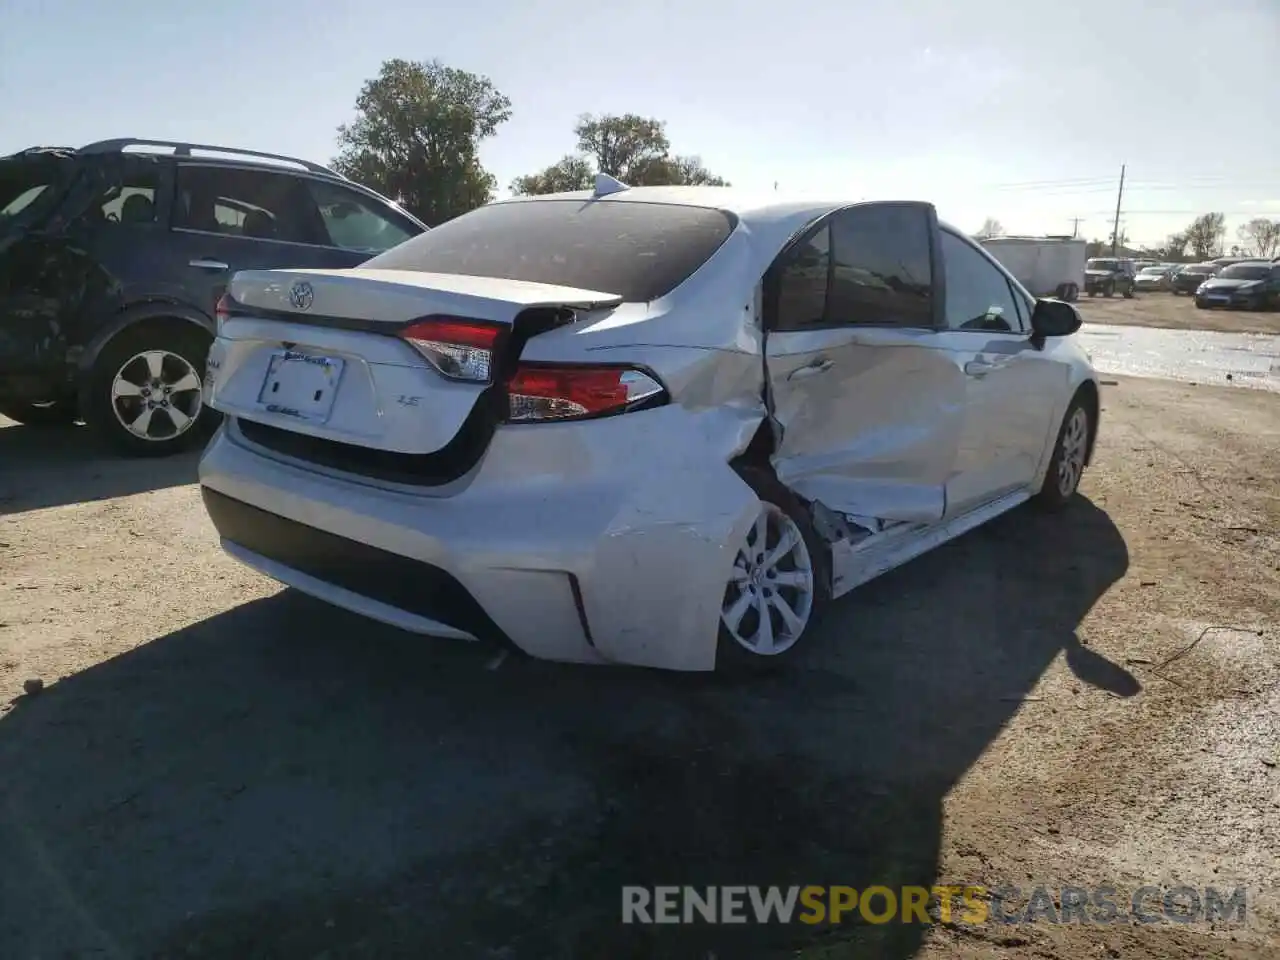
(1175, 313)
(218, 768)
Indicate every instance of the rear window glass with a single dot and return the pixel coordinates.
(638, 251)
(24, 184)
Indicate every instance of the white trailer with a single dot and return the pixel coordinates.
(1046, 266)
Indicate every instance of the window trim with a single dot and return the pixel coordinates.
(805, 233)
(347, 185)
(1017, 291)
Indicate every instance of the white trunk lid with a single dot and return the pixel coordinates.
(317, 352)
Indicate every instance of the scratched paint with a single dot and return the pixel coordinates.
(1252, 360)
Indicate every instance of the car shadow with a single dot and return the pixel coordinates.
(286, 780)
(50, 466)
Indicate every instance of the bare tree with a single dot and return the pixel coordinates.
(991, 227)
(1204, 236)
(1262, 236)
(1175, 247)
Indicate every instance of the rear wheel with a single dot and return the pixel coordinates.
(144, 393)
(778, 585)
(55, 413)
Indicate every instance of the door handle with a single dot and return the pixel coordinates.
(821, 365)
(209, 265)
(980, 368)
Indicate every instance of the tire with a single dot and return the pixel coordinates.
(1093, 292)
(1073, 292)
(129, 360)
(1071, 446)
(1129, 292)
(57, 413)
(781, 512)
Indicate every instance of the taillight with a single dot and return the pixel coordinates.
(539, 392)
(222, 311)
(459, 348)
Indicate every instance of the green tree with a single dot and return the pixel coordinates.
(633, 148)
(1205, 234)
(417, 134)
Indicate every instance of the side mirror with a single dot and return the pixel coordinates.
(1053, 318)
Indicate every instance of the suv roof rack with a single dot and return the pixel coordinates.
(181, 149)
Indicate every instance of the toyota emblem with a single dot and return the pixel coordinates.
(301, 295)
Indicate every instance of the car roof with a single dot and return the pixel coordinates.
(773, 215)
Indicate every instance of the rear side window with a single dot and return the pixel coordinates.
(356, 222)
(638, 251)
(868, 266)
(28, 184)
(254, 204)
(881, 272)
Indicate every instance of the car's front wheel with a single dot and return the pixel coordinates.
(778, 584)
(144, 393)
(1062, 479)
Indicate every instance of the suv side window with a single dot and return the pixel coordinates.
(979, 297)
(354, 221)
(255, 204)
(130, 201)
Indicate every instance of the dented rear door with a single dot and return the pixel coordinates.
(869, 404)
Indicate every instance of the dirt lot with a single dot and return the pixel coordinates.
(1175, 313)
(220, 769)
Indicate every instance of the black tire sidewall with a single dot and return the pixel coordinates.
(174, 336)
(731, 656)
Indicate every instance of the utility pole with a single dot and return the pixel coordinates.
(1075, 227)
(1115, 232)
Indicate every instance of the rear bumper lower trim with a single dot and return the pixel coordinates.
(400, 583)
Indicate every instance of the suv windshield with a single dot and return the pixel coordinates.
(25, 181)
(1246, 271)
(1102, 265)
(637, 251)
(1153, 270)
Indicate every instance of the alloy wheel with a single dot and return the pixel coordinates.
(1075, 440)
(155, 395)
(769, 598)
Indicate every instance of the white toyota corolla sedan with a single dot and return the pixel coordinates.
(662, 426)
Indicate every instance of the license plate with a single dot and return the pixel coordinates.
(301, 385)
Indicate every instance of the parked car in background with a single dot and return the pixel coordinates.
(502, 427)
(1109, 276)
(113, 256)
(1153, 278)
(1188, 278)
(1248, 285)
(1229, 261)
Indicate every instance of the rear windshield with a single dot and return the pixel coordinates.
(27, 184)
(638, 251)
(1102, 265)
(1247, 271)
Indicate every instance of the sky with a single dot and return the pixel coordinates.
(1021, 110)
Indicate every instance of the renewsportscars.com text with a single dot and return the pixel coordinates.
(965, 904)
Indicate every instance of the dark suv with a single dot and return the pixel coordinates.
(1109, 275)
(113, 257)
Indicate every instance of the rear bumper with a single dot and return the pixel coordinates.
(598, 542)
